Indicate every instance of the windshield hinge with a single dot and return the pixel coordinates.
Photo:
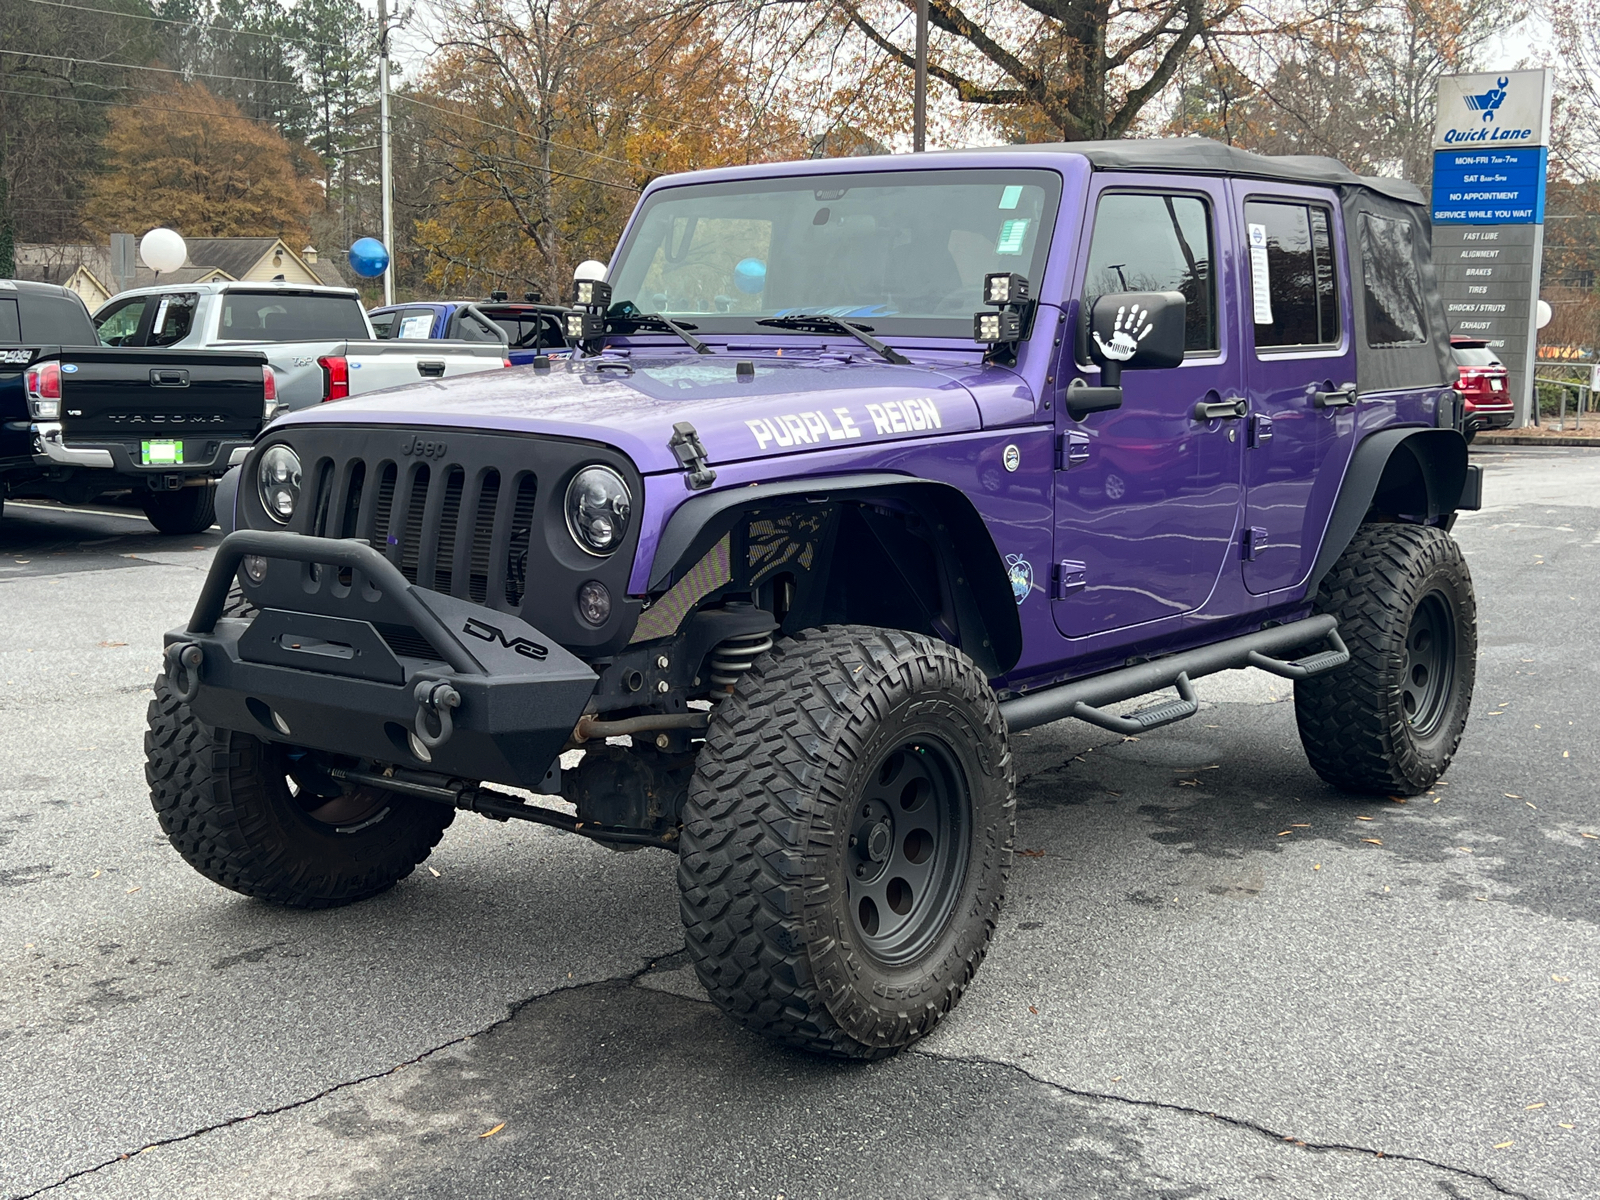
(691, 455)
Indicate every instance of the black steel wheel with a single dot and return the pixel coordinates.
(1389, 721)
(909, 848)
(847, 839)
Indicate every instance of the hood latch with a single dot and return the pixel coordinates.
(691, 455)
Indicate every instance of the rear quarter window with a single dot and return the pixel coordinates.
(280, 317)
(56, 321)
(1393, 284)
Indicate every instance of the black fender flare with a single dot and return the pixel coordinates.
(227, 498)
(1421, 473)
(986, 609)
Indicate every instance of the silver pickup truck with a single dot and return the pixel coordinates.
(317, 340)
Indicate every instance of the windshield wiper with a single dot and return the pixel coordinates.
(808, 323)
(629, 322)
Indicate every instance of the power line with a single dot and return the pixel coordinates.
(97, 62)
(276, 37)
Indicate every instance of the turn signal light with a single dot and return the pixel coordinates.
(335, 377)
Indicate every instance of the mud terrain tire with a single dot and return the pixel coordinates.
(224, 801)
(1389, 721)
(847, 839)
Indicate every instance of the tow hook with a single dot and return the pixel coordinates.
(435, 699)
(183, 661)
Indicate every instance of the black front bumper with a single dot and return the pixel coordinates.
(345, 674)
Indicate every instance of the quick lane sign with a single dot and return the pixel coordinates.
(1489, 166)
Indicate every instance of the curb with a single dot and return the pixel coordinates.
(1484, 439)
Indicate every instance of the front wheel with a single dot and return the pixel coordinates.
(184, 511)
(847, 840)
(1389, 721)
(258, 817)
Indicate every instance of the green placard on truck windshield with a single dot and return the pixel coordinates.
(162, 453)
(1010, 195)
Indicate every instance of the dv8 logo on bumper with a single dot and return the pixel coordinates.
(488, 633)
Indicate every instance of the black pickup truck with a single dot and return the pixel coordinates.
(79, 419)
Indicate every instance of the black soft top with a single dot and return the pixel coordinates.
(1202, 156)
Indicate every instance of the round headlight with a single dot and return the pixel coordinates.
(598, 507)
(278, 481)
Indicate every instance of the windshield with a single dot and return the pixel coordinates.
(287, 317)
(904, 251)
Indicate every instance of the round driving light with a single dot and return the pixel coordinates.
(278, 482)
(594, 602)
(598, 507)
(255, 567)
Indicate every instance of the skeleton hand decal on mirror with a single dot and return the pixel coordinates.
(1124, 338)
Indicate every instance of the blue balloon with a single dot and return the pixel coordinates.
(750, 276)
(369, 258)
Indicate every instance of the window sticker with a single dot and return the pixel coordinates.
(1012, 234)
(415, 327)
(1260, 285)
(1010, 196)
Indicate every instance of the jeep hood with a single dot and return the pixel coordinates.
(789, 406)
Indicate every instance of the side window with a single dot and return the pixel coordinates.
(383, 324)
(469, 329)
(414, 325)
(1297, 304)
(10, 327)
(1156, 243)
(119, 324)
(1393, 285)
(173, 319)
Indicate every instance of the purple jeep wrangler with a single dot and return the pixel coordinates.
(795, 540)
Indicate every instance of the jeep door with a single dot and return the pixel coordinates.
(1148, 495)
(1299, 375)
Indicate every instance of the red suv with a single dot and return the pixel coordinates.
(1483, 384)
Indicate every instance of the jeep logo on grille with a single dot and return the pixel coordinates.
(423, 449)
(486, 631)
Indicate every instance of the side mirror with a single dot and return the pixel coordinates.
(1134, 331)
(1127, 331)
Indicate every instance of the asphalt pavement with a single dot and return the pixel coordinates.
(1215, 976)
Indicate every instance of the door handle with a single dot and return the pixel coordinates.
(1220, 410)
(1340, 398)
(430, 370)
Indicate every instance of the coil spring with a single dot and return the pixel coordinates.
(733, 656)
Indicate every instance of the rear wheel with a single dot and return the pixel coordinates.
(847, 839)
(1389, 721)
(186, 510)
(258, 817)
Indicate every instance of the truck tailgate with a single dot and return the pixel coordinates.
(189, 402)
(378, 365)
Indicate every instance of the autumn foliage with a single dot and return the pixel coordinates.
(192, 161)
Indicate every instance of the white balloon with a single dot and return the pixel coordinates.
(1544, 314)
(589, 269)
(163, 249)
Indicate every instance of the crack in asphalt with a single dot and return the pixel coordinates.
(673, 959)
(667, 961)
(1224, 1118)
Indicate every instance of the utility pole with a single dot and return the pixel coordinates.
(919, 104)
(383, 139)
